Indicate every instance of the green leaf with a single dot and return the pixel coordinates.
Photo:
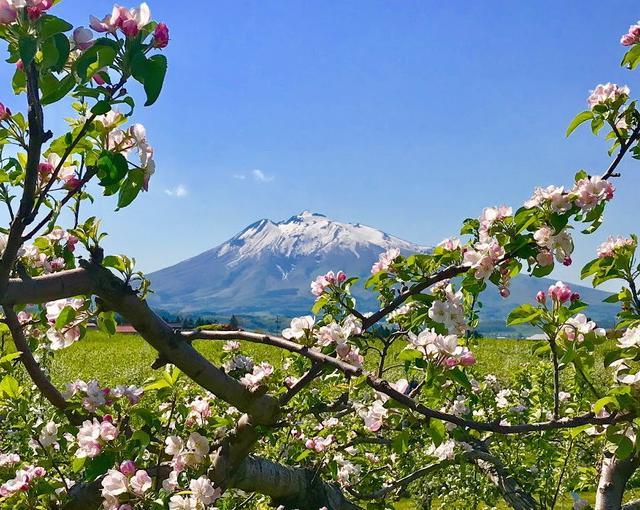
(101, 54)
(55, 52)
(436, 431)
(579, 119)
(101, 107)
(599, 405)
(19, 81)
(67, 315)
(130, 188)
(523, 314)
(64, 87)
(51, 25)
(9, 387)
(303, 455)
(625, 447)
(112, 167)
(99, 465)
(27, 46)
(632, 57)
(107, 323)
(151, 73)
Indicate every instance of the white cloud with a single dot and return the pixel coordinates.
(257, 175)
(260, 176)
(179, 191)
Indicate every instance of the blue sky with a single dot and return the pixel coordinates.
(407, 116)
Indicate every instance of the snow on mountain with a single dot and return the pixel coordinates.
(269, 265)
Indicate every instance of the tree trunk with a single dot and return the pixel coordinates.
(614, 475)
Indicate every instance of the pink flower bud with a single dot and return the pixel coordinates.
(450, 362)
(130, 28)
(560, 292)
(4, 112)
(161, 36)
(541, 297)
(575, 297)
(128, 468)
(126, 506)
(467, 359)
(20, 65)
(45, 169)
(108, 418)
(8, 13)
(72, 183)
(83, 38)
(567, 261)
(504, 292)
(341, 276)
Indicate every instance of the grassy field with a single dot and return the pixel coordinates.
(121, 359)
(127, 358)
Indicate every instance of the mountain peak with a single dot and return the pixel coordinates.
(304, 216)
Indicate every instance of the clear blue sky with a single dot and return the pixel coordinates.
(407, 116)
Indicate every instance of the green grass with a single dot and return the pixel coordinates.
(120, 359)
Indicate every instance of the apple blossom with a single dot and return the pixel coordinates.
(322, 282)
(630, 338)
(140, 482)
(83, 38)
(319, 444)
(483, 258)
(178, 502)
(553, 197)
(260, 372)
(450, 244)
(128, 468)
(9, 459)
(204, 491)
(300, 327)
(385, 260)
(560, 244)
(231, 345)
(614, 245)
(559, 292)
(632, 36)
(578, 326)
(607, 93)
(48, 434)
(589, 192)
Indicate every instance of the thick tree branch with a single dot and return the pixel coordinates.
(37, 137)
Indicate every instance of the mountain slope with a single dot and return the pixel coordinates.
(269, 265)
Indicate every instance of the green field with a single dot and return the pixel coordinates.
(127, 359)
(120, 359)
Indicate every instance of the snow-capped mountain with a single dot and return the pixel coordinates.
(269, 266)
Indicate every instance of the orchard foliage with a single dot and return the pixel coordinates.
(364, 408)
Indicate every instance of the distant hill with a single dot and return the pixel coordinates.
(266, 269)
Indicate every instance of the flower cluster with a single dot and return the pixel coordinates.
(385, 260)
(69, 333)
(606, 94)
(442, 349)
(553, 197)
(577, 327)
(22, 480)
(632, 36)
(203, 493)
(373, 415)
(300, 328)
(489, 216)
(449, 311)
(93, 396)
(11, 9)
(483, 258)
(94, 435)
(126, 480)
(125, 141)
(260, 372)
(322, 282)
(615, 245)
(627, 372)
(555, 244)
(338, 334)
